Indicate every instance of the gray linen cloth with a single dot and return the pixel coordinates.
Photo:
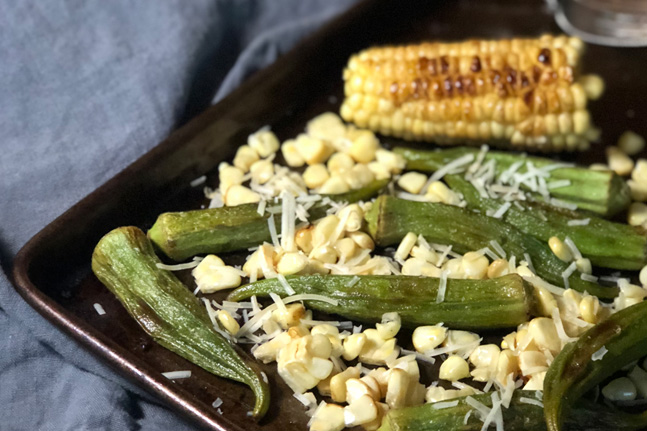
(86, 87)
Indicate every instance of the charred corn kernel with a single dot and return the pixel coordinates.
(545, 301)
(643, 276)
(618, 161)
(531, 361)
(362, 239)
(406, 245)
(462, 338)
(315, 175)
(327, 126)
(353, 344)
(589, 309)
(312, 150)
(427, 338)
(338, 384)
(267, 352)
(376, 350)
(536, 382)
(261, 258)
(583, 265)
(230, 176)
(638, 377)
(474, 265)
(228, 322)
(498, 268)
(620, 389)
(397, 388)
(638, 190)
(298, 331)
(362, 411)
(358, 176)
(262, 171)
(390, 325)
(264, 142)
(328, 417)
(212, 275)
(324, 254)
(355, 388)
(639, 174)
(354, 216)
(303, 239)
(324, 229)
(291, 155)
(412, 182)
(485, 359)
(454, 368)
(245, 157)
(334, 186)
(544, 333)
(380, 170)
(593, 86)
(364, 145)
(439, 192)
(631, 143)
(395, 163)
(289, 317)
(292, 263)
(637, 214)
(238, 195)
(339, 163)
(560, 249)
(507, 364)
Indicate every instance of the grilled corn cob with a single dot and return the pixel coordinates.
(521, 93)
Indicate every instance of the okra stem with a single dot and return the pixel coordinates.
(181, 235)
(390, 219)
(606, 244)
(503, 302)
(124, 261)
(602, 192)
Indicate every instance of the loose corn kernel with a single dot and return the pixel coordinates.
(639, 174)
(618, 161)
(498, 268)
(303, 239)
(355, 388)
(631, 143)
(270, 326)
(363, 147)
(376, 350)
(339, 163)
(334, 186)
(291, 155)
(212, 275)
(485, 358)
(328, 417)
(362, 239)
(373, 385)
(583, 265)
(338, 384)
(439, 192)
(571, 300)
(312, 150)
(292, 263)
(599, 167)
(406, 245)
(412, 182)
(637, 214)
(593, 86)
(380, 170)
(408, 364)
(359, 176)
(315, 175)
(354, 216)
(638, 377)
(267, 352)
(254, 263)
(353, 344)
(643, 276)
(536, 382)
(397, 388)
(524, 271)
(375, 424)
(389, 326)
(320, 346)
(560, 249)
(620, 389)
(426, 254)
(545, 301)
(291, 316)
(454, 268)
(474, 265)
(345, 248)
(638, 190)
(509, 341)
(381, 376)
(524, 341)
(316, 267)
(264, 142)
(395, 163)
(298, 331)
(228, 322)
(454, 368)
(362, 411)
(324, 229)
(544, 333)
(531, 360)
(507, 364)
(435, 394)
(461, 338)
(245, 157)
(324, 254)
(238, 195)
(230, 176)
(262, 171)
(327, 126)
(332, 333)
(426, 338)
(589, 309)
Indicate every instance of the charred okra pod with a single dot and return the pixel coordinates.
(503, 302)
(601, 192)
(124, 261)
(606, 244)
(181, 235)
(390, 219)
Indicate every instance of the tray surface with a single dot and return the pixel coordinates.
(303, 83)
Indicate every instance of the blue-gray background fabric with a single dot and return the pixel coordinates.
(86, 88)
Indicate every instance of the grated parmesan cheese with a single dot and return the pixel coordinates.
(567, 273)
(442, 287)
(217, 403)
(175, 375)
(582, 222)
(501, 210)
(498, 249)
(599, 354)
(445, 405)
(286, 286)
(177, 267)
(571, 245)
(532, 401)
(99, 308)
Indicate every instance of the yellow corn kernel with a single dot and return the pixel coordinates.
(485, 359)
(560, 249)
(303, 239)
(355, 388)
(328, 417)
(332, 333)
(412, 182)
(264, 142)
(291, 155)
(498, 268)
(545, 301)
(324, 229)
(637, 214)
(531, 361)
(228, 322)
(380, 170)
(334, 186)
(406, 245)
(362, 239)
(639, 174)
(361, 411)
(377, 350)
(292, 263)
(397, 388)
(638, 190)
(589, 309)
(262, 171)
(390, 325)
(439, 192)
(462, 338)
(536, 382)
(618, 161)
(238, 195)
(427, 338)
(426, 254)
(319, 346)
(315, 176)
(638, 376)
(327, 126)
(584, 265)
(454, 368)
(353, 345)
(474, 265)
(245, 157)
(643, 276)
(291, 316)
(620, 389)
(267, 352)
(358, 176)
(212, 275)
(229, 176)
(364, 145)
(507, 364)
(312, 150)
(544, 333)
(631, 143)
(324, 254)
(345, 248)
(338, 384)
(339, 163)
(395, 163)
(593, 86)
(354, 216)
